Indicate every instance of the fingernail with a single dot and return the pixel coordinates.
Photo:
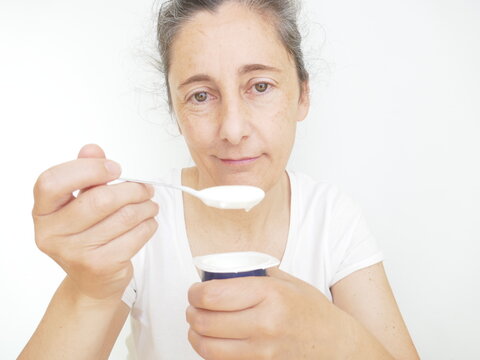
(113, 167)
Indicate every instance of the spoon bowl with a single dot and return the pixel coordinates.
(232, 196)
(222, 197)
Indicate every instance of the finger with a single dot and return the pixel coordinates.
(227, 349)
(229, 294)
(76, 250)
(93, 206)
(126, 246)
(54, 187)
(119, 223)
(224, 324)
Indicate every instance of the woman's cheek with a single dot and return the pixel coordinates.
(198, 130)
(279, 114)
(282, 129)
(194, 115)
(275, 103)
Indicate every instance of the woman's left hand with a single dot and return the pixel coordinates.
(273, 317)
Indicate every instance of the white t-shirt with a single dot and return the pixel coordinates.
(328, 239)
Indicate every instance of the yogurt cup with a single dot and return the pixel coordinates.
(234, 264)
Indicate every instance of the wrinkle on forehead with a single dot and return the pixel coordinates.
(218, 29)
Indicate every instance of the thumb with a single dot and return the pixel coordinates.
(91, 151)
(279, 274)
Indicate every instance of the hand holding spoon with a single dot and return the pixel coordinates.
(222, 197)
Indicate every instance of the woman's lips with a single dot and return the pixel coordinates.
(240, 161)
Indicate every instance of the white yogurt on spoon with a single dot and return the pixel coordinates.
(231, 196)
(223, 197)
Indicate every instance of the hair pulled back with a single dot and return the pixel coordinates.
(174, 14)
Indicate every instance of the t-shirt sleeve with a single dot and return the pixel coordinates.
(130, 294)
(352, 245)
(134, 287)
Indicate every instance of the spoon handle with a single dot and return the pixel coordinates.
(157, 183)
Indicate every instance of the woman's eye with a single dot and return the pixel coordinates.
(261, 87)
(200, 96)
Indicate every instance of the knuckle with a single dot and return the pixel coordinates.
(46, 182)
(102, 200)
(203, 347)
(54, 247)
(41, 243)
(199, 323)
(147, 191)
(270, 327)
(191, 337)
(139, 192)
(206, 348)
(154, 225)
(214, 353)
(196, 341)
(188, 313)
(128, 216)
(150, 191)
(206, 299)
(47, 243)
(210, 294)
(148, 227)
(155, 208)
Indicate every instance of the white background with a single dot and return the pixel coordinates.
(394, 121)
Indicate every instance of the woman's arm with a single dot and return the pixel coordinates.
(277, 317)
(366, 295)
(75, 327)
(93, 237)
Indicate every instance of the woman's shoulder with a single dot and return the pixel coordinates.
(309, 186)
(312, 192)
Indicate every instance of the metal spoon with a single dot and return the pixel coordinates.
(222, 197)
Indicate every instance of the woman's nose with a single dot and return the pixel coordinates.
(234, 122)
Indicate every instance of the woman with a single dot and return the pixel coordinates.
(237, 87)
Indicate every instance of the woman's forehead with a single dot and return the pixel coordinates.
(228, 39)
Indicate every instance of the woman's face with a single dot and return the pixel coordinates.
(236, 96)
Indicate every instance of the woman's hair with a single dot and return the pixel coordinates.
(174, 13)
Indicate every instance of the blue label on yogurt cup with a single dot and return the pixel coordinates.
(234, 264)
(207, 275)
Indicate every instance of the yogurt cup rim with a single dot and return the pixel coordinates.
(243, 261)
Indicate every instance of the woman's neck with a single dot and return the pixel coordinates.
(232, 230)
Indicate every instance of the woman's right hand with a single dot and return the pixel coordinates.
(93, 236)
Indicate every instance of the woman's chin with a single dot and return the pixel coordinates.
(240, 179)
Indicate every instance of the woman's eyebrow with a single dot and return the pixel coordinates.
(255, 67)
(195, 78)
(242, 71)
